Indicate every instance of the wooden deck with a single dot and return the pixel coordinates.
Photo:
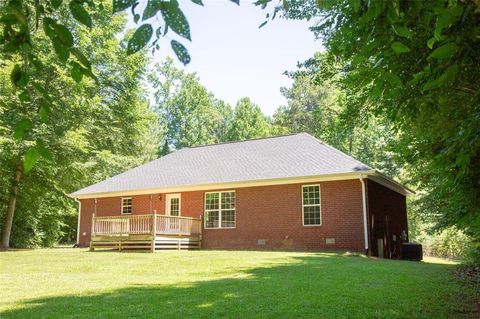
(146, 232)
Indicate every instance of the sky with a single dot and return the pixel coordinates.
(234, 58)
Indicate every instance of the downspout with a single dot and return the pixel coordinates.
(365, 220)
(78, 221)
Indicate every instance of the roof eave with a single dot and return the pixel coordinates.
(237, 184)
(389, 183)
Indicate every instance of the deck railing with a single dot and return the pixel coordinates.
(146, 224)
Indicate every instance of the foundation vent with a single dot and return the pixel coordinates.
(330, 241)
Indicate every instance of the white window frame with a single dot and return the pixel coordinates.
(219, 210)
(131, 206)
(168, 203)
(312, 205)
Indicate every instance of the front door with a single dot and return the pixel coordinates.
(173, 205)
(173, 209)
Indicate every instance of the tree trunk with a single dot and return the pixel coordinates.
(7, 227)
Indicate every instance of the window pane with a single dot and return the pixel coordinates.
(212, 219)
(311, 215)
(311, 195)
(228, 200)
(228, 218)
(211, 201)
(220, 210)
(174, 206)
(126, 205)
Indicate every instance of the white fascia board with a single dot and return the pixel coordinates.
(232, 185)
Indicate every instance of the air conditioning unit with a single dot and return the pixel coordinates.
(412, 251)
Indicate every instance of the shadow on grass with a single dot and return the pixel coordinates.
(310, 287)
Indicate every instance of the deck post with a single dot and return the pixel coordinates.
(92, 232)
(154, 231)
(200, 232)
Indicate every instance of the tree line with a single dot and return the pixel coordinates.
(398, 88)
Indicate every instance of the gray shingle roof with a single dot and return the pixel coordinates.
(298, 155)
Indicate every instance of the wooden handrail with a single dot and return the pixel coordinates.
(146, 224)
(123, 215)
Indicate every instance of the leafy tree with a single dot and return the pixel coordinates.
(189, 113)
(248, 121)
(99, 129)
(317, 104)
(416, 64)
(23, 23)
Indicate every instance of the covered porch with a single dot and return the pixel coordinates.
(150, 232)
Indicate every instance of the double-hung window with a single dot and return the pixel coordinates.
(126, 205)
(220, 209)
(311, 209)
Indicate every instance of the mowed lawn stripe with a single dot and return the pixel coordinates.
(75, 283)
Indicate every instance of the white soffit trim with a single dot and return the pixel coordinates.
(232, 185)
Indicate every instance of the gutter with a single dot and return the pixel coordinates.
(364, 206)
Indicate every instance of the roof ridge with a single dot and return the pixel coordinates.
(242, 141)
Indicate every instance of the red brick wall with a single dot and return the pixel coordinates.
(387, 214)
(271, 213)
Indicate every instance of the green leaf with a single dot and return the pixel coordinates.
(76, 72)
(89, 73)
(446, 18)
(8, 19)
(56, 3)
(18, 77)
(263, 24)
(199, 2)
(374, 10)
(175, 19)
(402, 31)
(48, 27)
(136, 17)
(238, 2)
(139, 39)
(36, 62)
(24, 97)
(21, 127)
(81, 58)
(430, 85)
(30, 158)
(42, 91)
(393, 79)
(80, 14)
(64, 34)
(181, 52)
(151, 9)
(399, 48)
(62, 51)
(42, 149)
(16, 74)
(444, 51)
(120, 5)
(43, 111)
(448, 76)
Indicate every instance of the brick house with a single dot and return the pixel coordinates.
(289, 192)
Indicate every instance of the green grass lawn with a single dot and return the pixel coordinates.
(75, 283)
